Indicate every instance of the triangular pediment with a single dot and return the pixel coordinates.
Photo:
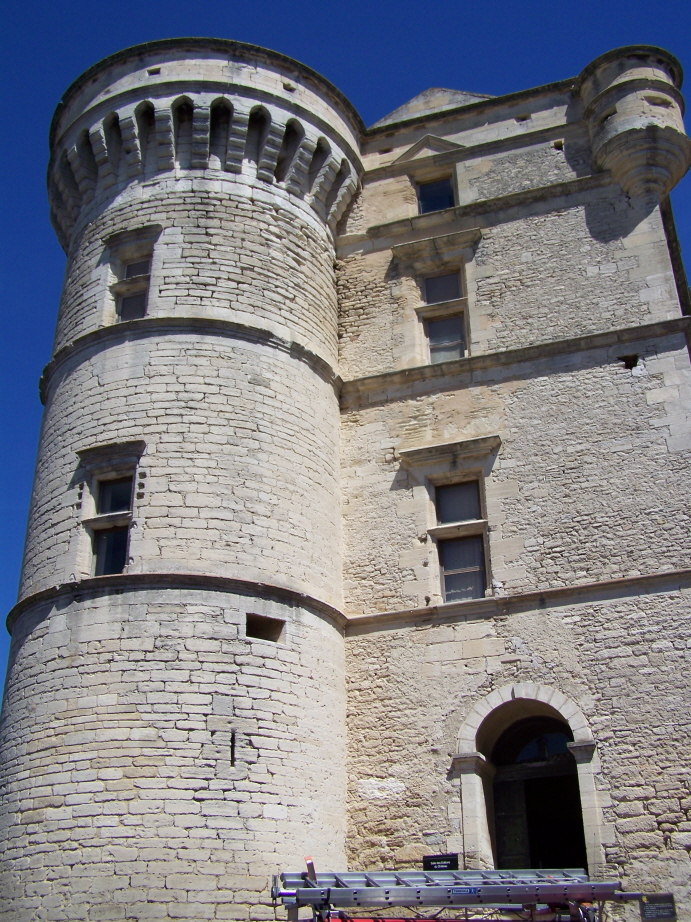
(426, 147)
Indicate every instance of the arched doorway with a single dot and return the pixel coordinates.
(538, 822)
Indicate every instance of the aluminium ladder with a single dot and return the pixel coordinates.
(560, 893)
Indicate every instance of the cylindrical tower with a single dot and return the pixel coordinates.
(634, 110)
(173, 723)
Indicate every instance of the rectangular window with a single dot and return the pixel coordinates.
(135, 269)
(110, 550)
(463, 568)
(112, 473)
(458, 502)
(131, 260)
(114, 495)
(440, 288)
(435, 196)
(446, 339)
(133, 307)
(131, 291)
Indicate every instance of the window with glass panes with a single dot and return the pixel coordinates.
(458, 502)
(463, 568)
(115, 495)
(446, 339)
(462, 559)
(110, 550)
(435, 196)
(110, 544)
(133, 306)
(440, 288)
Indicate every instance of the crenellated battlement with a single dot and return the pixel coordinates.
(256, 116)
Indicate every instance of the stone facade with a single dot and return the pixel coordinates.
(177, 728)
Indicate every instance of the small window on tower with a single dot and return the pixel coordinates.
(435, 196)
(141, 267)
(260, 627)
(110, 544)
(112, 471)
(134, 289)
(133, 307)
(131, 256)
(110, 550)
(115, 495)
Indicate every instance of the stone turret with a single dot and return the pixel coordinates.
(177, 646)
(634, 111)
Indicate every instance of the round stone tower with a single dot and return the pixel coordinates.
(173, 729)
(634, 110)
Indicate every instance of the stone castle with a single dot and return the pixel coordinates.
(360, 523)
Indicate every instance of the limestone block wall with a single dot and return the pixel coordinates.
(237, 477)
(229, 248)
(590, 481)
(157, 762)
(621, 658)
(547, 270)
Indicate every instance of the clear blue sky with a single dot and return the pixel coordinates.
(379, 53)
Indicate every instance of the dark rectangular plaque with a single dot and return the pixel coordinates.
(658, 906)
(441, 863)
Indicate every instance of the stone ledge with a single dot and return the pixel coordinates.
(154, 326)
(484, 206)
(449, 451)
(355, 390)
(96, 586)
(503, 606)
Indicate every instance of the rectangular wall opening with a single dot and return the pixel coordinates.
(259, 627)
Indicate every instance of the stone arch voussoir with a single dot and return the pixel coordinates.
(528, 691)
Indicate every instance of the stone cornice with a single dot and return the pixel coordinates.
(377, 387)
(472, 109)
(515, 603)
(96, 586)
(155, 326)
(416, 255)
(497, 606)
(473, 152)
(483, 206)
(449, 451)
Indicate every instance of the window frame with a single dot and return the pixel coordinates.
(462, 342)
(429, 181)
(443, 572)
(464, 528)
(446, 464)
(126, 249)
(441, 310)
(103, 464)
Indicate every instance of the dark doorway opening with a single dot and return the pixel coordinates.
(538, 822)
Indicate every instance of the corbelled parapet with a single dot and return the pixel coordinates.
(634, 111)
(201, 106)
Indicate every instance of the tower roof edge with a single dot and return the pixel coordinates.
(239, 49)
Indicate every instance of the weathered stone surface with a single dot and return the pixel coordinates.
(159, 759)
